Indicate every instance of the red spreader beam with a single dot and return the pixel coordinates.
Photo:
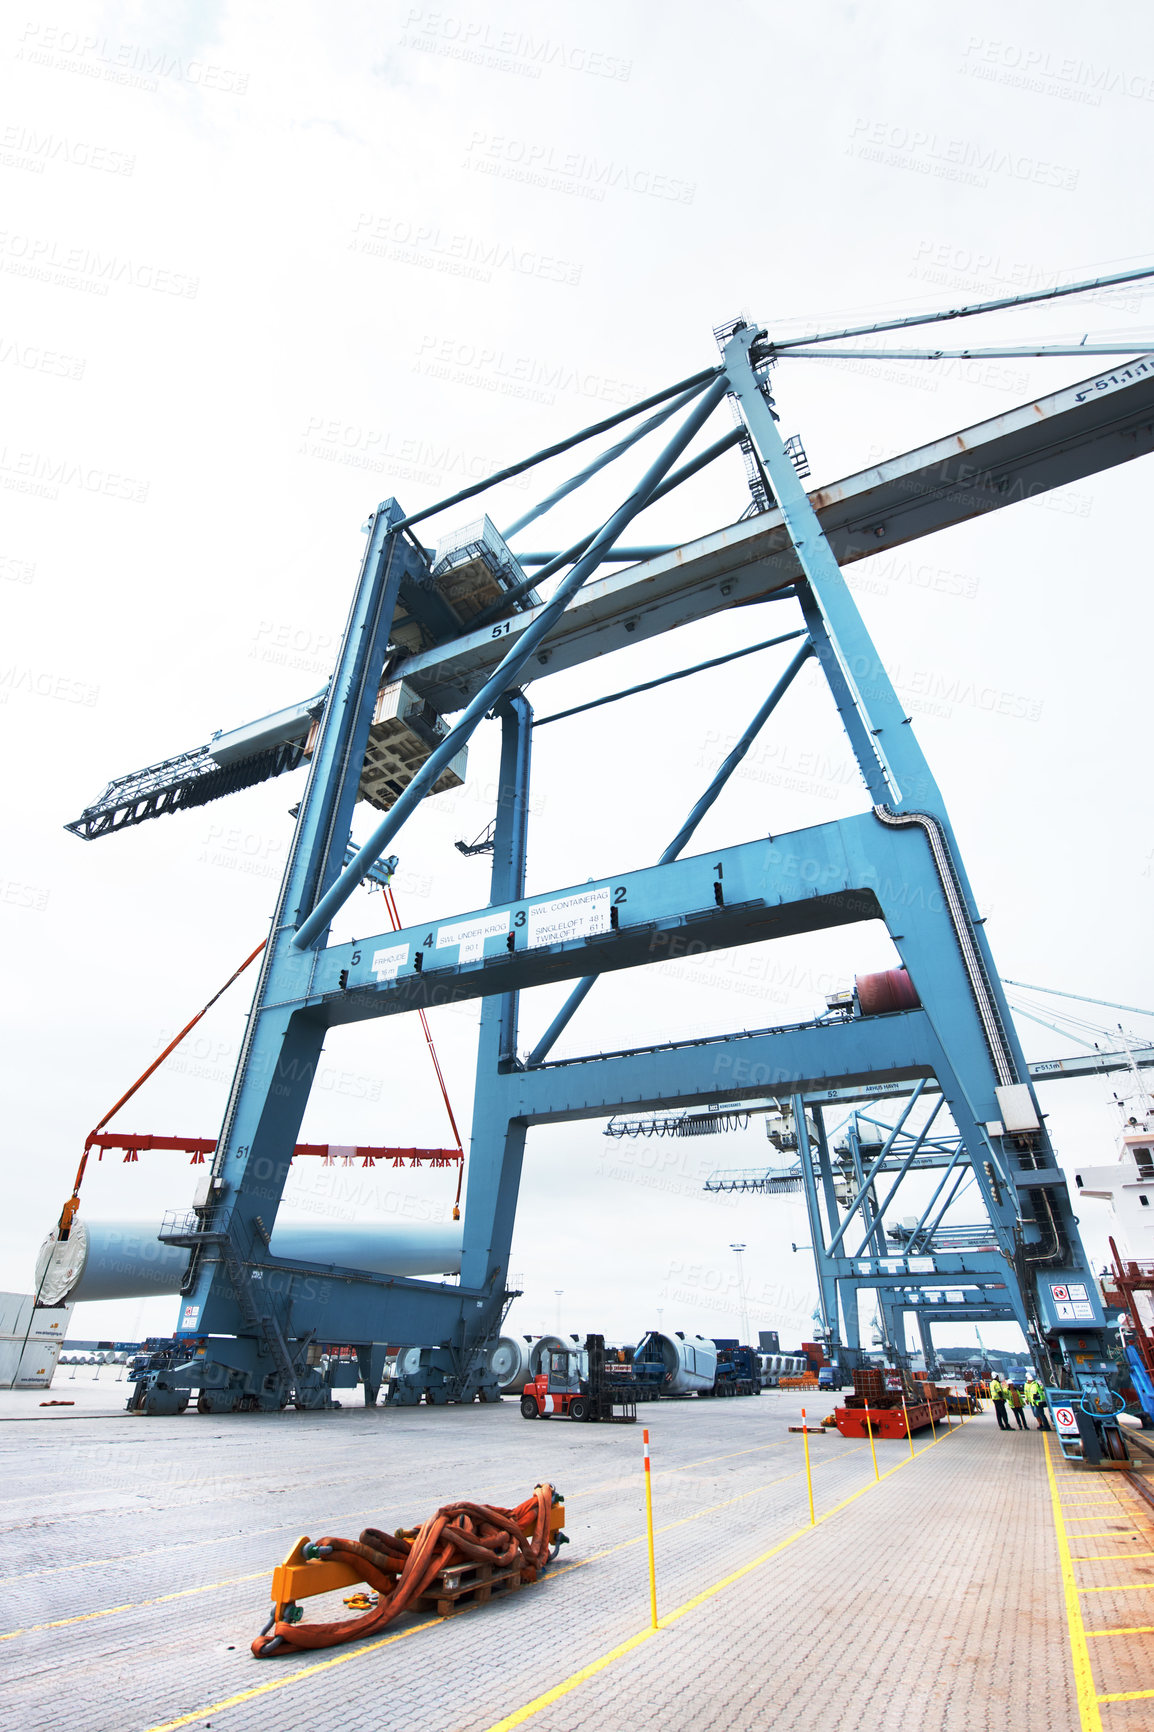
(332, 1154)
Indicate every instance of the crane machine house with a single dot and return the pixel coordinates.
(472, 571)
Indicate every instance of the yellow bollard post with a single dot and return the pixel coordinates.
(649, 1529)
(930, 1411)
(909, 1433)
(870, 1435)
(949, 1427)
(808, 1473)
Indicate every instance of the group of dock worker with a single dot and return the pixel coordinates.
(1004, 1394)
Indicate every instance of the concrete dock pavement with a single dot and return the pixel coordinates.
(136, 1557)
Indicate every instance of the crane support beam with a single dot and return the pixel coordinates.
(808, 881)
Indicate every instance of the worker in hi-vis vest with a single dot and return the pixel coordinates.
(1036, 1398)
(1017, 1402)
(998, 1394)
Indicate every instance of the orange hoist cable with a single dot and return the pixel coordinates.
(394, 916)
(69, 1211)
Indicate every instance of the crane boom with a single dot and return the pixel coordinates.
(1027, 452)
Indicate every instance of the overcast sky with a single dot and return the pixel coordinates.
(265, 265)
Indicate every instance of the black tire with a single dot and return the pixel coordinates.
(579, 1408)
(528, 1408)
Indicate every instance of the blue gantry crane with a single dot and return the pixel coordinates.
(437, 641)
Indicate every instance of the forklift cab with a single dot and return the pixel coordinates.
(563, 1374)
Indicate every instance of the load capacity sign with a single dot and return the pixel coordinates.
(584, 915)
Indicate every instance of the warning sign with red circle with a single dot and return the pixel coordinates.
(1064, 1419)
(1060, 1292)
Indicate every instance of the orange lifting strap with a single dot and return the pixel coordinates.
(394, 916)
(69, 1211)
(198, 1147)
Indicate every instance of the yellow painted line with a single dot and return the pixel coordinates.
(685, 1521)
(1108, 1534)
(155, 1552)
(192, 1545)
(757, 1449)
(587, 1489)
(134, 1606)
(1117, 1588)
(681, 1467)
(520, 1715)
(571, 1683)
(1123, 1630)
(1088, 1714)
(283, 1681)
(280, 1683)
(183, 1593)
(219, 1540)
(259, 1575)
(546, 1700)
(1127, 1696)
(1111, 1557)
(302, 1672)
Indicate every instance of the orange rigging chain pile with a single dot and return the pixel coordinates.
(200, 1146)
(460, 1556)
